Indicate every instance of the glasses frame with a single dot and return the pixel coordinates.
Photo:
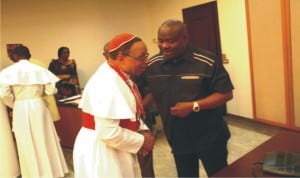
(141, 58)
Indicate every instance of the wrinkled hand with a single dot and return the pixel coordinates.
(148, 144)
(182, 109)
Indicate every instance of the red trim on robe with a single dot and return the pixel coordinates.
(88, 121)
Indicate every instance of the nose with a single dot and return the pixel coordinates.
(146, 58)
(144, 62)
(165, 45)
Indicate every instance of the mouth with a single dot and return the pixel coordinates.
(167, 50)
(167, 53)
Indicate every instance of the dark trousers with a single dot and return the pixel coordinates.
(213, 160)
(146, 165)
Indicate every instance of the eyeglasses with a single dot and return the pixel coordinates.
(141, 58)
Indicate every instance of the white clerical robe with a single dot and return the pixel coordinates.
(109, 150)
(22, 86)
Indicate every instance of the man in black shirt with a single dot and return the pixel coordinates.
(189, 85)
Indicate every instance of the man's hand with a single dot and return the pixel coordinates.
(182, 109)
(148, 145)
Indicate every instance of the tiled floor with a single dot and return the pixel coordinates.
(245, 135)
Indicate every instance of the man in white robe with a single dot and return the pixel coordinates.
(113, 131)
(22, 86)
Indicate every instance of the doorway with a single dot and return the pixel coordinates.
(203, 26)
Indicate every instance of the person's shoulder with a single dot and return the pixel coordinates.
(8, 68)
(154, 59)
(71, 61)
(53, 61)
(201, 51)
(202, 55)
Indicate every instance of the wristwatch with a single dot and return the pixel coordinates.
(196, 107)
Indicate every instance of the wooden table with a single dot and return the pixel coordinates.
(245, 166)
(69, 124)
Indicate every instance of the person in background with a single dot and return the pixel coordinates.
(9, 158)
(66, 70)
(112, 130)
(145, 162)
(22, 86)
(188, 85)
(49, 99)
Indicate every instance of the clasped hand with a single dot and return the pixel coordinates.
(148, 144)
(181, 109)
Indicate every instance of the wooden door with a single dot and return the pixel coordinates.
(203, 29)
(203, 26)
(269, 37)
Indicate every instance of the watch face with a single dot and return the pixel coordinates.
(196, 107)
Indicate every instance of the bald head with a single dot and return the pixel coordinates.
(176, 25)
(172, 38)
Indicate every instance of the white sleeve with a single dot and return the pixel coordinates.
(50, 89)
(6, 95)
(143, 126)
(109, 131)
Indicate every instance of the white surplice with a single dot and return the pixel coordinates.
(8, 156)
(109, 150)
(22, 86)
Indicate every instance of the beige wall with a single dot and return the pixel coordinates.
(84, 26)
(0, 33)
(233, 30)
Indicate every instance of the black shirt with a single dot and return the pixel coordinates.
(189, 77)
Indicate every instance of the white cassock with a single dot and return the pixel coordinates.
(22, 86)
(109, 150)
(8, 155)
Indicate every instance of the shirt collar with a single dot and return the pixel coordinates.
(177, 59)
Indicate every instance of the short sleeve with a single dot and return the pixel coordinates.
(6, 95)
(50, 89)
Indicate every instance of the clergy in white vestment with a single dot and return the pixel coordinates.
(113, 132)
(22, 86)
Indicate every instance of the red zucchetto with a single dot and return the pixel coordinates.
(120, 40)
